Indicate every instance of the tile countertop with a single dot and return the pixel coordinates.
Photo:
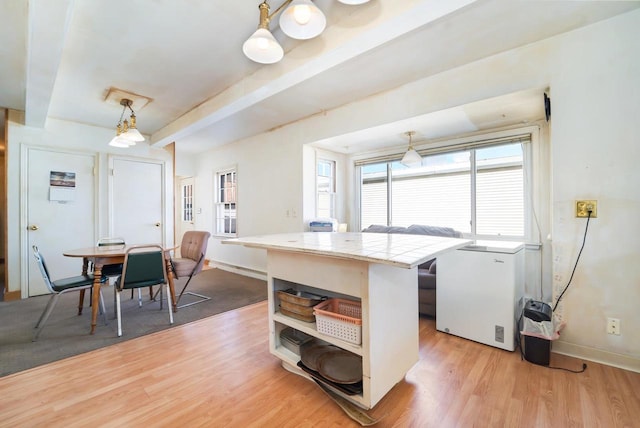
(401, 250)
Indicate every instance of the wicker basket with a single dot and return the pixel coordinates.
(340, 318)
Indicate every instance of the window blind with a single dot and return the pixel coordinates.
(476, 144)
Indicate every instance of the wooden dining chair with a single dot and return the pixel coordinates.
(144, 266)
(60, 287)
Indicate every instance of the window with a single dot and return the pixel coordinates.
(226, 202)
(187, 202)
(479, 191)
(326, 189)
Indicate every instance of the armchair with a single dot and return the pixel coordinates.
(192, 252)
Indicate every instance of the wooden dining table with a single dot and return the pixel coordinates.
(108, 255)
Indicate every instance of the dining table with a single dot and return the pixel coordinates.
(107, 255)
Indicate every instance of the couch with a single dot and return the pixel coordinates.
(427, 270)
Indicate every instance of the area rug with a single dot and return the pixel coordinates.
(66, 334)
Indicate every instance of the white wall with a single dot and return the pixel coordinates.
(595, 151)
(270, 184)
(594, 77)
(58, 133)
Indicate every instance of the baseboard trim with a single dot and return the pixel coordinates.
(12, 295)
(596, 355)
(239, 270)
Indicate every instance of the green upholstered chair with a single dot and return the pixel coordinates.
(60, 287)
(113, 270)
(144, 266)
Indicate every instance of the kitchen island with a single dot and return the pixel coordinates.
(377, 269)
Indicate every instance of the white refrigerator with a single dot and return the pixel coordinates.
(479, 292)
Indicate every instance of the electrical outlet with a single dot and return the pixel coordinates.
(613, 326)
(583, 208)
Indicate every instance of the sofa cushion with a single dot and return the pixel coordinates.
(378, 228)
(421, 229)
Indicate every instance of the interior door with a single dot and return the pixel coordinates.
(186, 206)
(137, 203)
(60, 207)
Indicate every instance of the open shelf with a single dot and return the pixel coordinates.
(389, 308)
(310, 329)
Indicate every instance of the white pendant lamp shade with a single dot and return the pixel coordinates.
(302, 20)
(132, 135)
(411, 158)
(353, 1)
(262, 47)
(118, 141)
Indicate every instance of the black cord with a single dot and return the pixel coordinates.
(584, 239)
(584, 367)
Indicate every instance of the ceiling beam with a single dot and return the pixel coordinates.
(391, 19)
(47, 28)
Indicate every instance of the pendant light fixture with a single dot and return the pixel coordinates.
(300, 19)
(262, 47)
(411, 158)
(127, 133)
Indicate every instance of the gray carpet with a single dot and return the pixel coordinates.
(67, 334)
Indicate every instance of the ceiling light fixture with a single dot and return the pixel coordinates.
(126, 132)
(411, 158)
(301, 20)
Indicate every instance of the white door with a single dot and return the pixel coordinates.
(186, 207)
(137, 203)
(60, 212)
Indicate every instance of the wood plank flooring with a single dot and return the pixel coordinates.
(218, 372)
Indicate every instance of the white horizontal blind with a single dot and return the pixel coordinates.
(440, 192)
(436, 200)
(500, 202)
(373, 203)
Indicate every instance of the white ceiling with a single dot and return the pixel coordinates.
(60, 59)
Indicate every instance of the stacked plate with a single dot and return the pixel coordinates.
(333, 365)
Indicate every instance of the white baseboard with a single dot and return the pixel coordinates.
(596, 355)
(239, 270)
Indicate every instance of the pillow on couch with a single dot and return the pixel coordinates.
(378, 228)
(420, 229)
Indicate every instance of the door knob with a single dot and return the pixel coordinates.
(157, 224)
(33, 227)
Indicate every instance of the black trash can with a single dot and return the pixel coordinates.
(537, 350)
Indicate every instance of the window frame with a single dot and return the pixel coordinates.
(531, 156)
(219, 218)
(331, 193)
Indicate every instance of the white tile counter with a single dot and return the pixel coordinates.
(401, 250)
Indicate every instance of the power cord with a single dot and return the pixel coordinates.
(584, 239)
(584, 367)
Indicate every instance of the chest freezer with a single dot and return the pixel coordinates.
(479, 291)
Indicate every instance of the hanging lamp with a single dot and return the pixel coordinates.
(411, 158)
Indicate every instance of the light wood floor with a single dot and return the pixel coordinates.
(218, 372)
